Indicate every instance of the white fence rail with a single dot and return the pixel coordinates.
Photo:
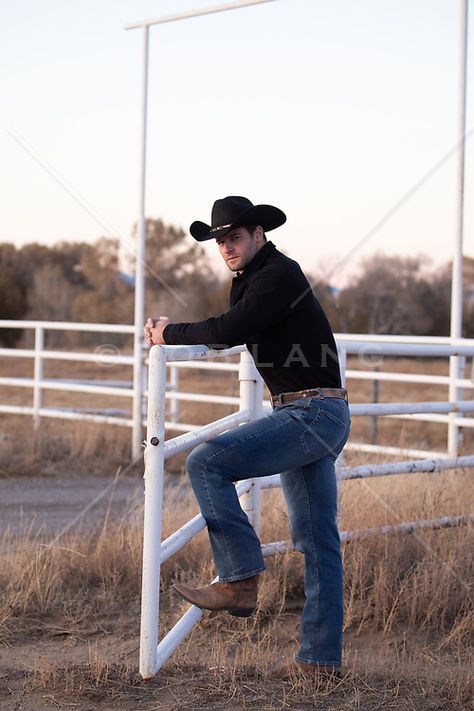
(366, 347)
(38, 383)
(154, 653)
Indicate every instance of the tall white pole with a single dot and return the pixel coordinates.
(235, 5)
(138, 340)
(457, 270)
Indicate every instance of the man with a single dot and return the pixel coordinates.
(275, 313)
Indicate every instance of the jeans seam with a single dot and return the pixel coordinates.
(315, 554)
(209, 499)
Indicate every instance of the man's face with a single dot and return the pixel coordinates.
(239, 247)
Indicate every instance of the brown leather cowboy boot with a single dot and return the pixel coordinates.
(238, 597)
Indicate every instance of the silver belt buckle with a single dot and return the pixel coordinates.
(277, 400)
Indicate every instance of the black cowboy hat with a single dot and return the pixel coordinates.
(235, 211)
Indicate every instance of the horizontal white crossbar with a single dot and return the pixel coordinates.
(407, 467)
(68, 326)
(202, 397)
(409, 408)
(407, 378)
(438, 419)
(192, 439)
(194, 13)
(405, 349)
(203, 365)
(64, 355)
(429, 465)
(381, 338)
(65, 415)
(270, 549)
(67, 386)
(409, 526)
(180, 353)
(396, 451)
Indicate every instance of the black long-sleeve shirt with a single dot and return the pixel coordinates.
(274, 312)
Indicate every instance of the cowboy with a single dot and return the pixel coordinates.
(274, 312)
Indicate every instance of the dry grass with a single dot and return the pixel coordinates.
(422, 580)
(409, 597)
(409, 617)
(117, 686)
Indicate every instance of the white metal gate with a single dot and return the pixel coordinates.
(154, 653)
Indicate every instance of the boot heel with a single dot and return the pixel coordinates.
(242, 612)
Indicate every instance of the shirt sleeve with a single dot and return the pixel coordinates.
(267, 299)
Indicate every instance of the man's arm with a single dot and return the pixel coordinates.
(266, 301)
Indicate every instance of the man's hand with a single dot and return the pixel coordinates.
(154, 328)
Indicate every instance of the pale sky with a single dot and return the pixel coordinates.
(332, 111)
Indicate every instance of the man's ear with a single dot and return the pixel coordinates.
(259, 234)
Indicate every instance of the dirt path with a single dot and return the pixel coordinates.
(56, 503)
(392, 673)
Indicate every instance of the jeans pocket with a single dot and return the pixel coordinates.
(335, 418)
(326, 435)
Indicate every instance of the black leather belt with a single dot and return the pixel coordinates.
(283, 398)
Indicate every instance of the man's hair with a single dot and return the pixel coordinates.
(252, 228)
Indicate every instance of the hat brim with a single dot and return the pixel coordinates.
(267, 216)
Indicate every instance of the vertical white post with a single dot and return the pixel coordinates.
(38, 374)
(140, 270)
(154, 465)
(457, 271)
(174, 388)
(145, 374)
(249, 398)
(256, 487)
(342, 353)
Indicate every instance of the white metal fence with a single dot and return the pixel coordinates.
(104, 355)
(154, 653)
(366, 347)
(249, 404)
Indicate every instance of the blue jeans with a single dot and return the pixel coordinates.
(301, 440)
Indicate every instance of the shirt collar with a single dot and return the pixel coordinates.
(258, 260)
